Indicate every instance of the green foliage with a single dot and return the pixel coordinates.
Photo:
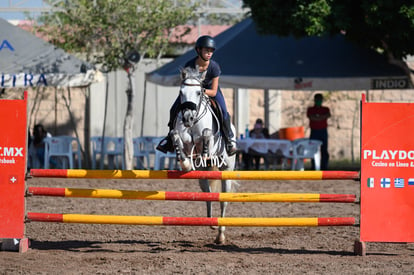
(108, 30)
(385, 24)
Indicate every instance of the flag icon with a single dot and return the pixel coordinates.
(385, 182)
(399, 183)
(411, 181)
(370, 182)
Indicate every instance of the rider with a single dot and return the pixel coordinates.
(205, 47)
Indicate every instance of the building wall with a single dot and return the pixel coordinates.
(344, 124)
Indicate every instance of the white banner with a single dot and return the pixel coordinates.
(53, 80)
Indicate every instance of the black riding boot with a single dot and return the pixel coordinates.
(166, 144)
(228, 134)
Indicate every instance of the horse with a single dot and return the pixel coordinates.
(197, 140)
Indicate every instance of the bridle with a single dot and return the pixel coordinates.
(192, 106)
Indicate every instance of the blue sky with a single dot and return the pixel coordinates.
(18, 3)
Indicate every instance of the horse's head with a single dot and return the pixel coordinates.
(191, 95)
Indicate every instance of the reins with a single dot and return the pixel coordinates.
(202, 100)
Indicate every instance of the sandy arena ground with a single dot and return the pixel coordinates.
(108, 249)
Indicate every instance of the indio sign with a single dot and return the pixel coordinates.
(390, 83)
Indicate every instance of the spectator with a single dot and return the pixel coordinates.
(259, 131)
(37, 146)
(318, 122)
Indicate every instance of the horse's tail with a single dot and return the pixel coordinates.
(215, 186)
(234, 185)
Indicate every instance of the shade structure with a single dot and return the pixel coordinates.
(251, 60)
(27, 60)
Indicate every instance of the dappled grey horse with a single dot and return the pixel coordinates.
(197, 139)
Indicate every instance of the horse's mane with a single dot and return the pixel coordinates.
(189, 72)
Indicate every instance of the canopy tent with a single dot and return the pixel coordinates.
(26, 60)
(251, 60)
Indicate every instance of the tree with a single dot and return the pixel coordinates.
(114, 34)
(386, 26)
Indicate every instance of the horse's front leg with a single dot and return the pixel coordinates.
(179, 150)
(205, 187)
(207, 133)
(225, 187)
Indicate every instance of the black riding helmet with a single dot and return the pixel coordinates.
(205, 41)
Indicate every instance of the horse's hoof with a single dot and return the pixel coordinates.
(186, 165)
(220, 240)
(214, 227)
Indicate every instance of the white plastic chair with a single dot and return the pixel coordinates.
(113, 150)
(260, 148)
(62, 148)
(160, 157)
(96, 146)
(148, 147)
(33, 161)
(142, 151)
(282, 149)
(305, 148)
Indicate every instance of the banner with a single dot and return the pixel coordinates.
(13, 139)
(387, 172)
(51, 80)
